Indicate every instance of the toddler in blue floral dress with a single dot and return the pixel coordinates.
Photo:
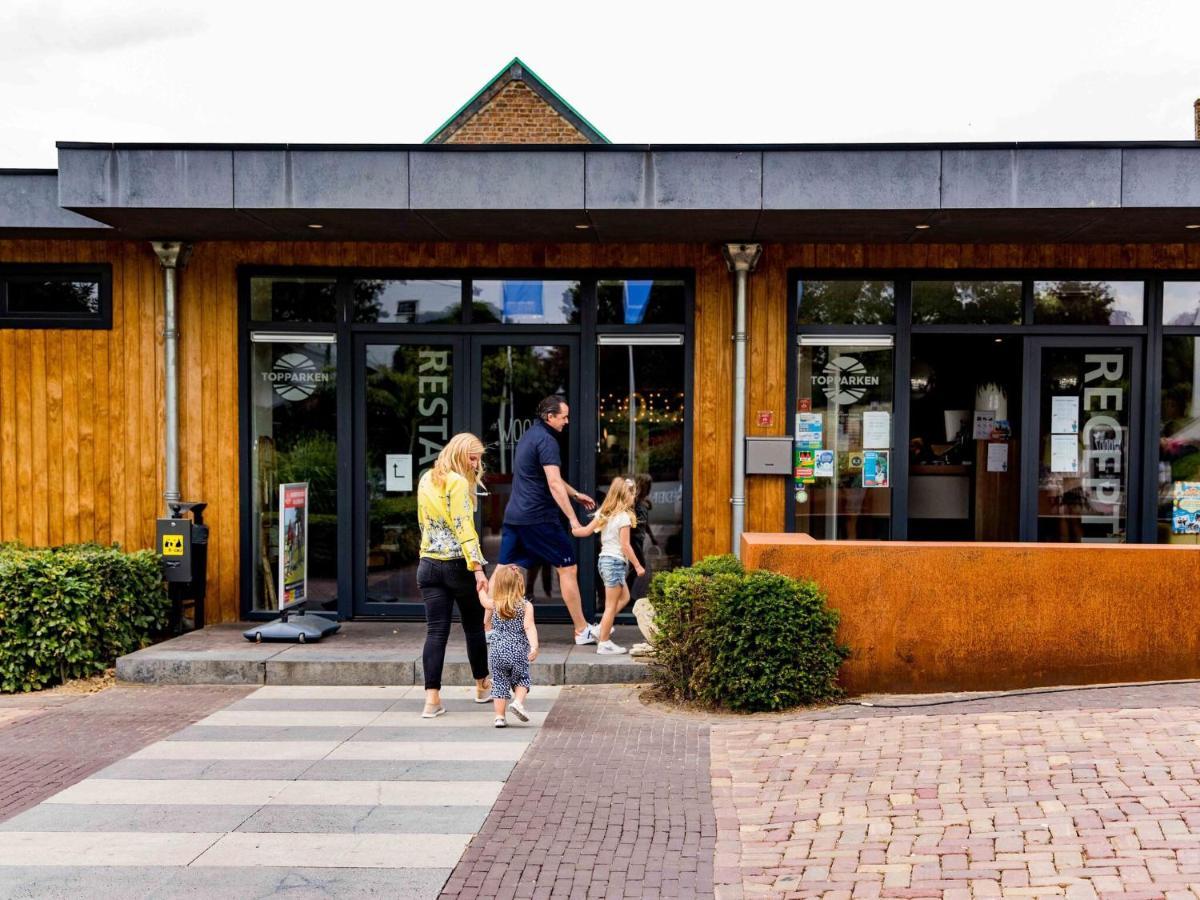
(513, 641)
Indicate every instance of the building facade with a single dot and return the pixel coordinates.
(953, 342)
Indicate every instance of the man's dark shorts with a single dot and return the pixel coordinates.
(536, 544)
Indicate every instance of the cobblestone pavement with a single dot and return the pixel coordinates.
(1082, 794)
(612, 800)
(52, 740)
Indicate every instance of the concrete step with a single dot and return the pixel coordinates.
(362, 653)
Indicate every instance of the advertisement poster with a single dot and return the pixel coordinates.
(1185, 515)
(1064, 415)
(293, 543)
(803, 470)
(1064, 453)
(875, 469)
(809, 430)
(876, 430)
(985, 421)
(823, 464)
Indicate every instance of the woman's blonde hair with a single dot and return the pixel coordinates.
(620, 498)
(454, 458)
(508, 589)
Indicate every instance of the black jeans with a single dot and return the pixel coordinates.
(443, 583)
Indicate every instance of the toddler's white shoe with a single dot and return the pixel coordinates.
(610, 648)
(500, 722)
(518, 710)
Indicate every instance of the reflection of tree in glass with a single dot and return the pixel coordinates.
(1076, 303)
(846, 302)
(997, 302)
(292, 300)
(54, 297)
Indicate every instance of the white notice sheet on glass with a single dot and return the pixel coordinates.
(1064, 453)
(997, 457)
(983, 423)
(1064, 415)
(399, 471)
(877, 431)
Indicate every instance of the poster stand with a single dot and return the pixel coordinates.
(293, 625)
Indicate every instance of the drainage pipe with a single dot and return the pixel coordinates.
(741, 259)
(172, 256)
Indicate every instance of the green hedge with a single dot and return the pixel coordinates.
(743, 640)
(69, 612)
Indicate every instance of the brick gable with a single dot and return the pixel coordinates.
(517, 115)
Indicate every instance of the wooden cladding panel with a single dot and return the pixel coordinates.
(81, 411)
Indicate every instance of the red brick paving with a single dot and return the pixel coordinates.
(1050, 795)
(49, 747)
(611, 800)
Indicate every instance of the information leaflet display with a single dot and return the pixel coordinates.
(293, 543)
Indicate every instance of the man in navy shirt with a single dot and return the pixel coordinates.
(532, 532)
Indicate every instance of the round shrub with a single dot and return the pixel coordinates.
(774, 645)
(743, 640)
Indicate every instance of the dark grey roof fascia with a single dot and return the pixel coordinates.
(529, 192)
(29, 202)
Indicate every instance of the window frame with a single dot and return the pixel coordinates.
(1150, 333)
(101, 273)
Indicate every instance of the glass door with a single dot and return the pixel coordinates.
(1081, 440)
(511, 376)
(409, 404)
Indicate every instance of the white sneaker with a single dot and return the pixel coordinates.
(588, 635)
(609, 647)
(518, 710)
(500, 722)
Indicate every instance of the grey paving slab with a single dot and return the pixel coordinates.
(406, 770)
(436, 733)
(118, 817)
(533, 704)
(144, 883)
(585, 666)
(266, 733)
(189, 668)
(223, 769)
(367, 819)
(314, 703)
(339, 667)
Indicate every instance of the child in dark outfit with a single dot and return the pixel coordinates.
(513, 644)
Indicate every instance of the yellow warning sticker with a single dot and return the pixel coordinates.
(172, 545)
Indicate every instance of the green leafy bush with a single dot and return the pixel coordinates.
(747, 641)
(69, 612)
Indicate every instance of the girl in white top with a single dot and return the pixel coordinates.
(613, 521)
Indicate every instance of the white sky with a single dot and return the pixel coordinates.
(347, 71)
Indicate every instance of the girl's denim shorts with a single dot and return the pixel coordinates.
(612, 570)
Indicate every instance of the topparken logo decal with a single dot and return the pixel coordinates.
(845, 380)
(295, 377)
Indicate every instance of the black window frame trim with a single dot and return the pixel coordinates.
(98, 272)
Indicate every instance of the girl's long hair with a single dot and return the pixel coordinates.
(620, 498)
(508, 589)
(454, 458)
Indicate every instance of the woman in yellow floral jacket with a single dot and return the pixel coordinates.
(451, 568)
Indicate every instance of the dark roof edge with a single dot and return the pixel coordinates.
(28, 171)
(640, 148)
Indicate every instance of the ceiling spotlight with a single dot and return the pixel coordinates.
(999, 340)
(315, 225)
(922, 227)
(1192, 227)
(583, 226)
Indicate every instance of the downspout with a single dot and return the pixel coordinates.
(172, 255)
(741, 259)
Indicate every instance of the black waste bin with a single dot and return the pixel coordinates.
(183, 550)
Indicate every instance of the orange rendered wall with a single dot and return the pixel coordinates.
(958, 616)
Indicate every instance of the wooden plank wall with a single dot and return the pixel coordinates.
(81, 411)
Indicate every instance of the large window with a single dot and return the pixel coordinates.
(1178, 481)
(294, 438)
(1017, 412)
(55, 297)
(844, 437)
